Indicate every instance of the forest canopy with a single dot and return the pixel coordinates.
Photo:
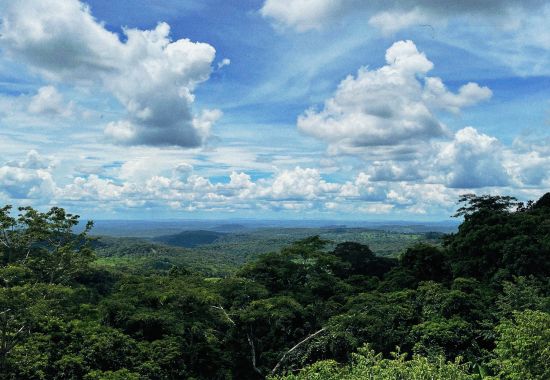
(476, 306)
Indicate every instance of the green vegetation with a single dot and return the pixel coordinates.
(368, 365)
(228, 252)
(475, 306)
(190, 239)
(139, 256)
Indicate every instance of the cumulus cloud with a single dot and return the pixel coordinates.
(529, 161)
(390, 109)
(152, 76)
(538, 144)
(298, 184)
(93, 188)
(473, 160)
(27, 179)
(436, 94)
(468, 161)
(48, 101)
(295, 189)
(20, 183)
(532, 169)
(392, 171)
(183, 169)
(33, 160)
(364, 189)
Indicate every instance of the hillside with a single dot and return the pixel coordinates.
(229, 251)
(189, 239)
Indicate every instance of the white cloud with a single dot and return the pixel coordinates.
(156, 88)
(538, 144)
(58, 38)
(436, 94)
(465, 163)
(140, 169)
(296, 189)
(473, 160)
(48, 101)
(389, 110)
(27, 179)
(121, 131)
(33, 160)
(182, 170)
(20, 183)
(531, 169)
(302, 14)
(240, 181)
(152, 76)
(529, 163)
(204, 122)
(392, 171)
(390, 22)
(376, 208)
(363, 189)
(298, 184)
(511, 33)
(93, 188)
(224, 62)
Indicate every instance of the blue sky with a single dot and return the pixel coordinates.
(319, 109)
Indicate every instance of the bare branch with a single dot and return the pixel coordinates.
(253, 354)
(225, 314)
(276, 368)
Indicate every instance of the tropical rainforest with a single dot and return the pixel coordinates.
(473, 305)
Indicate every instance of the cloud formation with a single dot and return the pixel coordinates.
(513, 33)
(48, 101)
(473, 160)
(303, 15)
(150, 75)
(27, 179)
(470, 161)
(387, 111)
(139, 87)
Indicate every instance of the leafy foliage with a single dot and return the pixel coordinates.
(476, 307)
(522, 350)
(368, 365)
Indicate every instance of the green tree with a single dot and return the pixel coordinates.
(425, 262)
(495, 243)
(368, 365)
(45, 243)
(520, 294)
(523, 346)
(360, 260)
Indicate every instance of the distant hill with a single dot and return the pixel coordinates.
(190, 239)
(229, 227)
(217, 254)
(146, 229)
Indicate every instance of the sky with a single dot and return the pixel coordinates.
(278, 109)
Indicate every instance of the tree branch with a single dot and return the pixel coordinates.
(225, 314)
(274, 370)
(248, 337)
(253, 354)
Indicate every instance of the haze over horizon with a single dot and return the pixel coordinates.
(276, 109)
